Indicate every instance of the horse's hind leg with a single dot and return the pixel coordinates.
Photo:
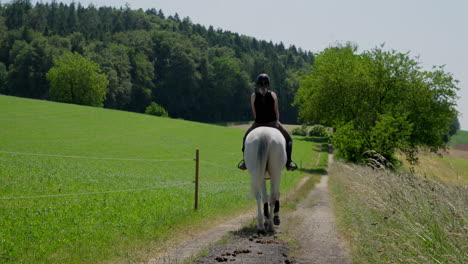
(276, 219)
(274, 199)
(266, 209)
(260, 227)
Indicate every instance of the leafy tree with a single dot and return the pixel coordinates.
(37, 18)
(30, 63)
(75, 79)
(4, 45)
(115, 62)
(16, 12)
(454, 126)
(142, 80)
(3, 78)
(378, 100)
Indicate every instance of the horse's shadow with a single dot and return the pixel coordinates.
(250, 230)
(313, 171)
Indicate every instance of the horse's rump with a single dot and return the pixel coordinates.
(265, 153)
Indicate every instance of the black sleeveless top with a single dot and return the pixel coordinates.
(264, 107)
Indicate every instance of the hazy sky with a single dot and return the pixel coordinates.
(434, 30)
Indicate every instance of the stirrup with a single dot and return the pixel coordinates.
(291, 165)
(241, 165)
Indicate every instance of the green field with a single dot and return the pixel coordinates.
(460, 138)
(113, 185)
(444, 169)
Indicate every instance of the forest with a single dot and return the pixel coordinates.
(193, 72)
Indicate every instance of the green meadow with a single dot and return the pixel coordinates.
(461, 137)
(111, 185)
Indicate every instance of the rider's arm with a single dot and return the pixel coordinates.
(252, 103)
(275, 98)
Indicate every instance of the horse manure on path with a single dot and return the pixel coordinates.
(249, 249)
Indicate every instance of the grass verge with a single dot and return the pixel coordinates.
(399, 218)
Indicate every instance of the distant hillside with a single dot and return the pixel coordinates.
(194, 72)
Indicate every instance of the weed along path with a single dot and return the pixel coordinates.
(307, 234)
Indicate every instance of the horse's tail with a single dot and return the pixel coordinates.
(262, 159)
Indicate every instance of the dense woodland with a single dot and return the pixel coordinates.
(194, 72)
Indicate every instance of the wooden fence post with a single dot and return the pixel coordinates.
(197, 166)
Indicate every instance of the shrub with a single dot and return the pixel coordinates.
(156, 110)
(389, 134)
(300, 131)
(318, 131)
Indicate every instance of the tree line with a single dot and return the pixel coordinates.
(194, 72)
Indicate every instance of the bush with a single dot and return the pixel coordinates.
(156, 110)
(390, 133)
(318, 131)
(300, 131)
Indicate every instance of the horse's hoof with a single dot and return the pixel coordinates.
(261, 231)
(276, 220)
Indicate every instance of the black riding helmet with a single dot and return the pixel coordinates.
(263, 80)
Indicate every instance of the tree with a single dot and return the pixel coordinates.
(378, 101)
(3, 78)
(75, 79)
(115, 62)
(16, 12)
(143, 81)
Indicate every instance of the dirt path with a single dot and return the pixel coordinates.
(191, 247)
(311, 225)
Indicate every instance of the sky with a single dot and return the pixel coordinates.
(436, 31)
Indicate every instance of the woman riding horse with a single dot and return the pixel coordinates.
(265, 111)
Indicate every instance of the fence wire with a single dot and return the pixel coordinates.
(91, 193)
(83, 157)
(126, 190)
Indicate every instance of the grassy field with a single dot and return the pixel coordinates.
(444, 169)
(112, 185)
(399, 218)
(449, 166)
(460, 138)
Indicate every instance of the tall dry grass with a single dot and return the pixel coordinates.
(398, 218)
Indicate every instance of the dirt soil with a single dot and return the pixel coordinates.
(306, 235)
(313, 225)
(463, 147)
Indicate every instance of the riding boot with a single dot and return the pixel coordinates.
(241, 164)
(290, 165)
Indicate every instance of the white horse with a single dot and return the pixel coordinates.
(265, 157)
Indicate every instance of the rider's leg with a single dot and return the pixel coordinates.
(252, 127)
(287, 136)
(241, 164)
